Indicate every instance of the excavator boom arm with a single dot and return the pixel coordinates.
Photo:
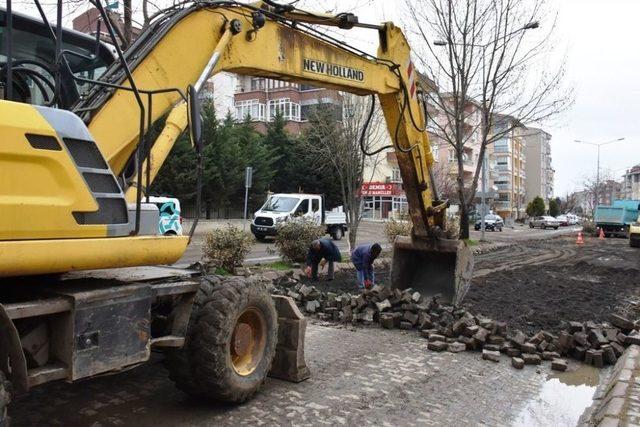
(272, 49)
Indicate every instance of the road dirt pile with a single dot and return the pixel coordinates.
(534, 298)
(573, 284)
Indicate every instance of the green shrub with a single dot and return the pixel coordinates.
(227, 247)
(295, 237)
(536, 207)
(554, 208)
(393, 228)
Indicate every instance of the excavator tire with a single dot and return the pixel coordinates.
(5, 399)
(230, 343)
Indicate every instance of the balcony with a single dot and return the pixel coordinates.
(502, 206)
(501, 149)
(503, 187)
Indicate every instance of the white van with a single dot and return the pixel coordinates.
(286, 206)
(170, 223)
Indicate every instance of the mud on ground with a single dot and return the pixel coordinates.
(538, 285)
(561, 282)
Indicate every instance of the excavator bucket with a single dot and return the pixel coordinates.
(432, 267)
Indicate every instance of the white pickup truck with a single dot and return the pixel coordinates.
(283, 207)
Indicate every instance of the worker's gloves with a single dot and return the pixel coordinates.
(368, 284)
(308, 272)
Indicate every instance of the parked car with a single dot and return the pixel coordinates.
(491, 222)
(573, 219)
(563, 219)
(544, 222)
(170, 222)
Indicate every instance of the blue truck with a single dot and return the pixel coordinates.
(615, 220)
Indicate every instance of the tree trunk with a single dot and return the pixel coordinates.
(464, 208)
(464, 221)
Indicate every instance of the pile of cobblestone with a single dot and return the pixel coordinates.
(456, 329)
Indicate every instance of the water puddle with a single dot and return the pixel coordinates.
(562, 398)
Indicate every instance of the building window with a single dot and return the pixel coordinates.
(435, 150)
(252, 108)
(257, 83)
(289, 110)
(400, 207)
(395, 175)
(501, 145)
(452, 156)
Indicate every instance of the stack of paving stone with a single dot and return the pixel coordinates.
(454, 329)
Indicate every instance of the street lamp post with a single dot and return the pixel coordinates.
(484, 189)
(598, 145)
(530, 26)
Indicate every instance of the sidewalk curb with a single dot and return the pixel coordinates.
(615, 401)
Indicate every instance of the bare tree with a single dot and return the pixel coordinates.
(484, 64)
(445, 183)
(343, 142)
(597, 189)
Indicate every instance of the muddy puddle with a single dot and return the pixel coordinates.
(562, 398)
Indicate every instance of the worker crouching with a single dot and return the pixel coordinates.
(321, 252)
(362, 258)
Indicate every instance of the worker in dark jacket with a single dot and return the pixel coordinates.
(362, 258)
(322, 251)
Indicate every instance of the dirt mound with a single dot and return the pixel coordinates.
(544, 297)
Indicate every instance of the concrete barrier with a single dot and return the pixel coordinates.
(617, 400)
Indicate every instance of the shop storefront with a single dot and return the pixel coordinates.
(382, 201)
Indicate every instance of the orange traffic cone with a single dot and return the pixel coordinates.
(580, 240)
(601, 235)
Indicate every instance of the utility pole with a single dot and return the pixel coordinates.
(598, 145)
(248, 179)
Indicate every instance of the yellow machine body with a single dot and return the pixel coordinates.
(175, 54)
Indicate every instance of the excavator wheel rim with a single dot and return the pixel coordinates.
(248, 341)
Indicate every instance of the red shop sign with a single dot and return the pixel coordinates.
(378, 189)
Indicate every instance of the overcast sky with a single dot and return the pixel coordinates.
(601, 42)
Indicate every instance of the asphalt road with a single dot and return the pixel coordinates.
(369, 232)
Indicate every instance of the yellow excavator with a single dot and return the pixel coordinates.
(77, 157)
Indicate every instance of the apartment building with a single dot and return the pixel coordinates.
(631, 184)
(609, 191)
(259, 98)
(471, 150)
(538, 169)
(510, 159)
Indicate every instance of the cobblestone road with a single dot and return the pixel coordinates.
(359, 377)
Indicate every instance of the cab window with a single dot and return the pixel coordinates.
(302, 208)
(34, 59)
(166, 208)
